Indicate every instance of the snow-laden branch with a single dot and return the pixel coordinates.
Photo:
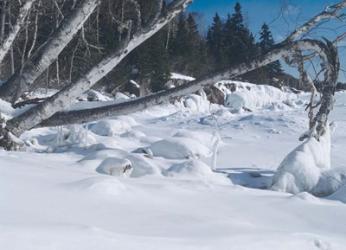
(63, 99)
(8, 43)
(22, 80)
(325, 51)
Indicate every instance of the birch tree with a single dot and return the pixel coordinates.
(21, 81)
(9, 40)
(52, 111)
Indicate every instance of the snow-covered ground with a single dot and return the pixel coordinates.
(145, 181)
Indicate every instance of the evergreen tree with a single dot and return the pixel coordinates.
(239, 41)
(266, 44)
(215, 42)
(152, 63)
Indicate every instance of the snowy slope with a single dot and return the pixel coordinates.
(63, 198)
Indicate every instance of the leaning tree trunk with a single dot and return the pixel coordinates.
(327, 53)
(22, 80)
(8, 42)
(63, 99)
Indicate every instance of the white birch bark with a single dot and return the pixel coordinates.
(8, 42)
(63, 99)
(21, 82)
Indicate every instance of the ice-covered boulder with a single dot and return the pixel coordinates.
(301, 170)
(195, 169)
(179, 148)
(115, 167)
(113, 127)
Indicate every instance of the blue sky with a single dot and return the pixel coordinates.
(281, 15)
(256, 12)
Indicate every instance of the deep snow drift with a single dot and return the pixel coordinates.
(146, 181)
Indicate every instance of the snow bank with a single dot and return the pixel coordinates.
(301, 170)
(98, 185)
(115, 167)
(112, 127)
(246, 96)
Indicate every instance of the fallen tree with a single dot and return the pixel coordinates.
(52, 111)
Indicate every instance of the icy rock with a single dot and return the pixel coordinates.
(301, 170)
(115, 167)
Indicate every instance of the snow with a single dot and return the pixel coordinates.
(113, 127)
(253, 97)
(67, 191)
(115, 167)
(177, 76)
(301, 170)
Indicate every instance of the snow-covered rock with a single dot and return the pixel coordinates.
(113, 127)
(195, 169)
(301, 170)
(115, 167)
(179, 148)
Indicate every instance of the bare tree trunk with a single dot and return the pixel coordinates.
(21, 82)
(8, 42)
(63, 99)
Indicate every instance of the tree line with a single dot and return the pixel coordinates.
(178, 47)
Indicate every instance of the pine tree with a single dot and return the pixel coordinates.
(239, 41)
(215, 42)
(266, 44)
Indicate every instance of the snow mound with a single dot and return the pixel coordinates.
(330, 181)
(195, 169)
(241, 96)
(179, 148)
(202, 137)
(339, 195)
(115, 167)
(99, 185)
(301, 170)
(113, 127)
(305, 196)
(143, 166)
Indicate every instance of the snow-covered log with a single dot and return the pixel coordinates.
(326, 51)
(8, 42)
(22, 80)
(63, 99)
